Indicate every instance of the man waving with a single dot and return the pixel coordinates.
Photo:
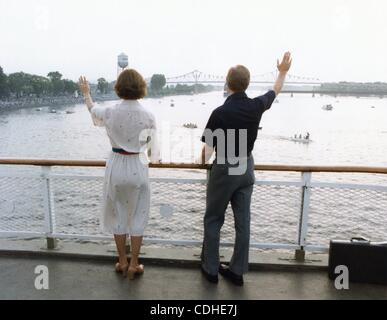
(231, 132)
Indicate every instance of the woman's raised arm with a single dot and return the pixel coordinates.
(85, 90)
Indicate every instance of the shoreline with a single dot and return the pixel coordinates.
(33, 102)
(24, 103)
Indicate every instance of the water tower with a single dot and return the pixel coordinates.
(122, 63)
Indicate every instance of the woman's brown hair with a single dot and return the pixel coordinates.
(130, 85)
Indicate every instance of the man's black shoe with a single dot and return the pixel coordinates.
(229, 275)
(211, 278)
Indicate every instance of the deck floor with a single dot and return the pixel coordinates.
(80, 279)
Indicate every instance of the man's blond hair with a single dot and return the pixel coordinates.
(238, 78)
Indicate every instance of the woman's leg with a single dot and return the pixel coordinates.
(139, 217)
(135, 250)
(121, 248)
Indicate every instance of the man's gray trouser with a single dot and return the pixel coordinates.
(223, 188)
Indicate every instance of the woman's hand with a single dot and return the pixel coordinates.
(85, 89)
(84, 86)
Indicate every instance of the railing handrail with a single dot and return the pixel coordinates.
(259, 167)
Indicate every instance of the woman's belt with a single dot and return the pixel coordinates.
(122, 151)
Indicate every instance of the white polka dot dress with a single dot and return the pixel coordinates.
(126, 192)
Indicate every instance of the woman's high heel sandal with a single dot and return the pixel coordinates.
(138, 270)
(122, 269)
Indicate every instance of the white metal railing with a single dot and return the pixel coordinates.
(294, 215)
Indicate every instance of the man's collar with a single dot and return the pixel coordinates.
(237, 95)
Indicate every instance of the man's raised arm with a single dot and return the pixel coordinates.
(283, 69)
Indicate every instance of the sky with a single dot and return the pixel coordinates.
(333, 40)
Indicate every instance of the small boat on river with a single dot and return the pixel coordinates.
(327, 107)
(190, 125)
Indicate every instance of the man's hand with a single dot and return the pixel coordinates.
(84, 86)
(286, 63)
(206, 154)
(283, 69)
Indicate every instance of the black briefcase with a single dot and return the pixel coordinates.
(366, 261)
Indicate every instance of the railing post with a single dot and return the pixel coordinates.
(304, 215)
(48, 210)
(127, 245)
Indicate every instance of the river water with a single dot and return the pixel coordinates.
(353, 133)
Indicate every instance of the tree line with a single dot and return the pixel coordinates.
(375, 88)
(21, 84)
(157, 87)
